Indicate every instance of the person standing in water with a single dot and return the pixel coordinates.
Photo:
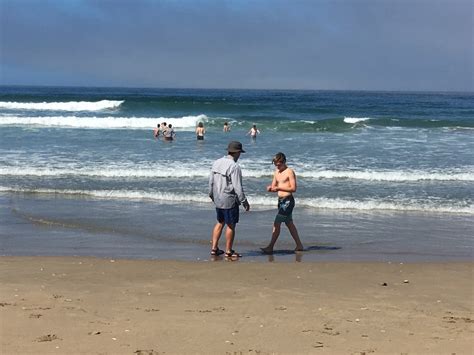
(156, 131)
(200, 131)
(253, 132)
(284, 184)
(227, 193)
(226, 127)
(169, 133)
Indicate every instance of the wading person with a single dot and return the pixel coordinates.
(227, 193)
(284, 184)
(254, 131)
(200, 131)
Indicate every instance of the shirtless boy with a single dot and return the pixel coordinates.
(284, 184)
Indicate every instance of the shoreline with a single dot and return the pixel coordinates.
(56, 226)
(122, 306)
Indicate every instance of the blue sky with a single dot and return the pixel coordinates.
(263, 44)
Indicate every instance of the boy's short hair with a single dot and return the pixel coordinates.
(279, 157)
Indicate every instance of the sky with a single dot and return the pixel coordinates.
(401, 45)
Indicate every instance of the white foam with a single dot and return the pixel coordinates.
(62, 106)
(397, 176)
(157, 171)
(119, 194)
(369, 205)
(354, 120)
(162, 170)
(258, 200)
(109, 122)
(373, 205)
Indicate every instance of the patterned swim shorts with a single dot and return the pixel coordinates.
(285, 209)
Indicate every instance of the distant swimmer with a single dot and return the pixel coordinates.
(156, 131)
(163, 126)
(253, 132)
(226, 127)
(169, 133)
(161, 129)
(200, 131)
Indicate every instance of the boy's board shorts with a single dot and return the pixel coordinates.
(285, 209)
(228, 215)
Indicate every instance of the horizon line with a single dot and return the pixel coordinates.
(235, 89)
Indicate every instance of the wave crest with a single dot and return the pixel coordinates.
(109, 122)
(396, 176)
(193, 171)
(354, 120)
(62, 106)
(422, 206)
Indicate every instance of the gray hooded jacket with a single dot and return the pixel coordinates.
(225, 183)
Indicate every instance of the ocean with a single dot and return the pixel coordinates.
(381, 175)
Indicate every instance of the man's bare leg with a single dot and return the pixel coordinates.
(216, 234)
(229, 236)
(294, 233)
(275, 234)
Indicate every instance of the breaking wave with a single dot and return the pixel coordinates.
(403, 205)
(345, 124)
(354, 120)
(101, 122)
(192, 171)
(62, 106)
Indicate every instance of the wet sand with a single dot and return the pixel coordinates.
(43, 225)
(59, 305)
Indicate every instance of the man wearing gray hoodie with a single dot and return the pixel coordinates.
(227, 193)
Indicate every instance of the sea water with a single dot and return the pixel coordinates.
(380, 174)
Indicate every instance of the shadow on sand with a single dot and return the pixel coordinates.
(276, 252)
(292, 251)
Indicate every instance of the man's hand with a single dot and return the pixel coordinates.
(246, 205)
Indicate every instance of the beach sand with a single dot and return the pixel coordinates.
(73, 305)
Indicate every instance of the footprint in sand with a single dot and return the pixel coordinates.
(48, 337)
(329, 330)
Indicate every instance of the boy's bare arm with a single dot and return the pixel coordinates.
(273, 186)
(292, 181)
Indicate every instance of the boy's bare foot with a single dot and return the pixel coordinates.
(299, 248)
(267, 250)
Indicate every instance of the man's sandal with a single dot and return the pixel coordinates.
(232, 254)
(217, 251)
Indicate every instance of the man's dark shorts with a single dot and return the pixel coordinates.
(285, 209)
(228, 216)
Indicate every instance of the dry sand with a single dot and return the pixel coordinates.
(73, 305)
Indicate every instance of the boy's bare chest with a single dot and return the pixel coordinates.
(282, 177)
